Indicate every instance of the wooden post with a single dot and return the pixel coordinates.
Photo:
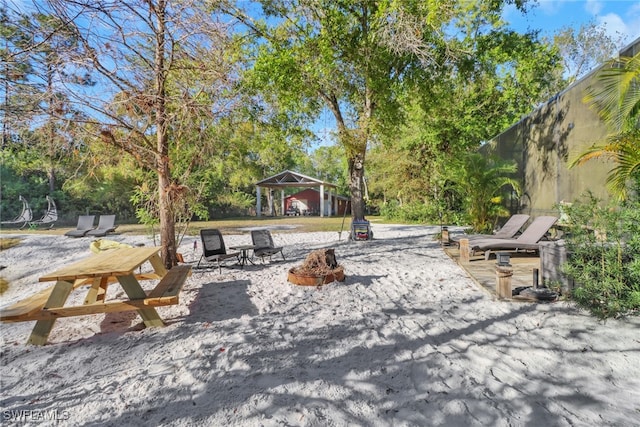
(503, 282)
(464, 251)
(445, 236)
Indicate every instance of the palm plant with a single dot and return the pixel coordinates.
(616, 97)
(480, 180)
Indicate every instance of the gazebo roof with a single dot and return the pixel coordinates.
(292, 179)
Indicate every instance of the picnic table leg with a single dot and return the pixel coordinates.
(98, 290)
(58, 297)
(134, 291)
(158, 266)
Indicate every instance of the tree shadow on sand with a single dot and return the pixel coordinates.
(221, 301)
(445, 372)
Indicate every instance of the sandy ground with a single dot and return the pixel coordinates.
(407, 340)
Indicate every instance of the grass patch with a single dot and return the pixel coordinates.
(8, 242)
(297, 224)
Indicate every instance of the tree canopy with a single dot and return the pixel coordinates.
(206, 98)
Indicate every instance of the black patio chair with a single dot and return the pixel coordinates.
(213, 248)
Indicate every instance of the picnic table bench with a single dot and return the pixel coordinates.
(100, 270)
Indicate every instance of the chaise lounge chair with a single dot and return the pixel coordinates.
(263, 242)
(106, 224)
(85, 223)
(508, 230)
(213, 248)
(528, 240)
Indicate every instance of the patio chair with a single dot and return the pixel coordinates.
(508, 230)
(50, 216)
(263, 242)
(85, 224)
(106, 224)
(528, 240)
(213, 248)
(25, 216)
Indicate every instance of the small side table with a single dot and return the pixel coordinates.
(244, 257)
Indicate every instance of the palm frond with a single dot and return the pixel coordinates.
(597, 151)
(616, 95)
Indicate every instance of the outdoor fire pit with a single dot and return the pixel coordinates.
(319, 268)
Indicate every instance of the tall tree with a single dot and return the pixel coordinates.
(583, 49)
(55, 46)
(13, 72)
(491, 79)
(139, 49)
(37, 115)
(328, 54)
(356, 59)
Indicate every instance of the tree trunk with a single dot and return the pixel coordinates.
(165, 189)
(167, 222)
(356, 174)
(51, 174)
(355, 145)
(52, 179)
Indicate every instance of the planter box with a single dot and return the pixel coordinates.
(552, 256)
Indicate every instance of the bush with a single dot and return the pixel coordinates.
(604, 243)
(418, 212)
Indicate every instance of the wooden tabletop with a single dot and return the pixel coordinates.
(114, 262)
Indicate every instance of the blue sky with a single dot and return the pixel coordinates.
(615, 16)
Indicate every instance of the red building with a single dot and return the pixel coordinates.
(307, 202)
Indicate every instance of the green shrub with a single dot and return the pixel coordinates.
(604, 261)
(418, 212)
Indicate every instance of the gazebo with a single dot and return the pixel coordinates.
(291, 179)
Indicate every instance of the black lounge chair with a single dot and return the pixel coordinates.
(106, 224)
(85, 224)
(264, 246)
(528, 240)
(508, 230)
(213, 248)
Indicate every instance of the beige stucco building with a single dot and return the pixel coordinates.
(544, 143)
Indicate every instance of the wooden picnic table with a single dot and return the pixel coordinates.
(116, 265)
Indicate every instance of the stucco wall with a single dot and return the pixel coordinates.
(544, 143)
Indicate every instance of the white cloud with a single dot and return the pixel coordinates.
(616, 27)
(550, 7)
(633, 22)
(593, 7)
(626, 26)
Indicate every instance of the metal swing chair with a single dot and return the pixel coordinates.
(49, 217)
(25, 216)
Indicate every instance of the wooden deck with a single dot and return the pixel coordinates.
(484, 272)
